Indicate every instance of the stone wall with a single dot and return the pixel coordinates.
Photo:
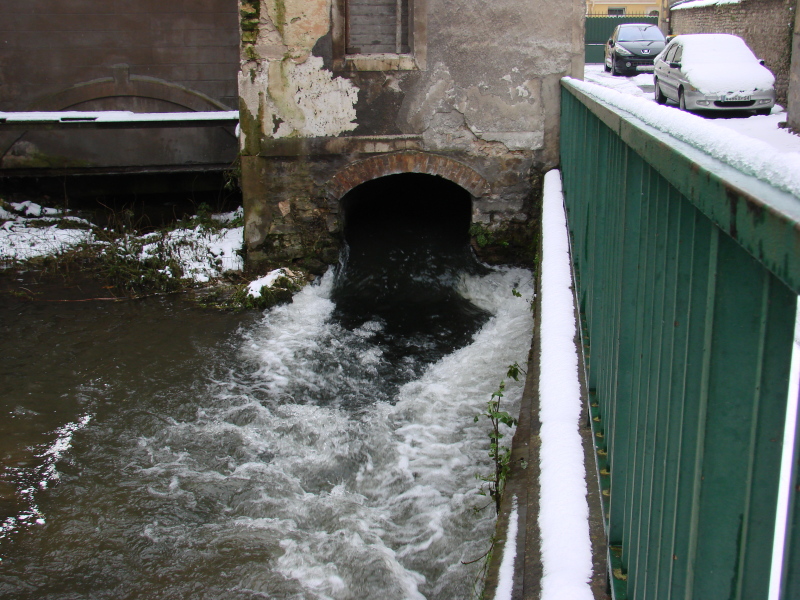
(793, 100)
(766, 26)
(466, 100)
(140, 55)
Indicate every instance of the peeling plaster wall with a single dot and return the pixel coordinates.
(284, 90)
(488, 97)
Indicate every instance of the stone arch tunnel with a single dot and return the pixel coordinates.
(407, 191)
(406, 204)
(308, 206)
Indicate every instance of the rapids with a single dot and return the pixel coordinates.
(326, 448)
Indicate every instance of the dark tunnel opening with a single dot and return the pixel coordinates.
(404, 205)
(406, 251)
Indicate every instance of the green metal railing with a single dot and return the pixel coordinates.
(687, 278)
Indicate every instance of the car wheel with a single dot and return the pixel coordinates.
(614, 70)
(606, 68)
(681, 100)
(660, 97)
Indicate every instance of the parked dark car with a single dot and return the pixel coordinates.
(632, 48)
(713, 71)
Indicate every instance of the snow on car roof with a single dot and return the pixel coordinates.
(714, 47)
(720, 63)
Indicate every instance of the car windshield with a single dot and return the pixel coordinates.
(640, 34)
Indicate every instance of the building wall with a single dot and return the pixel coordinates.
(141, 55)
(766, 26)
(645, 7)
(309, 113)
(793, 99)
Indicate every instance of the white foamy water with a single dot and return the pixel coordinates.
(323, 482)
(295, 459)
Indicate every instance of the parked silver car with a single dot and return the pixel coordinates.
(713, 71)
(632, 48)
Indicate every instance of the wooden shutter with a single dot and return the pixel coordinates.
(377, 27)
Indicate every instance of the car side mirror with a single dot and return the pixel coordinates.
(611, 43)
(675, 65)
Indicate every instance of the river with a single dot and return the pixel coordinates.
(325, 448)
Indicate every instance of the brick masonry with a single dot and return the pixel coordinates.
(292, 206)
(407, 162)
(766, 26)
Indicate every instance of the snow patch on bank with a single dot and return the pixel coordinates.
(202, 253)
(32, 231)
(564, 511)
(254, 289)
(29, 230)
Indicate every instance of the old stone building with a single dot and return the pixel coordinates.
(335, 93)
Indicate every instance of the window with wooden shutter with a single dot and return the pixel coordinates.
(379, 35)
(377, 27)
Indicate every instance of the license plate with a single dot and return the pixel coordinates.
(735, 98)
(647, 68)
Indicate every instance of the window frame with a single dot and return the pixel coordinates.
(414, 60)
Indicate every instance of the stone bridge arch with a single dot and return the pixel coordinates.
(397, 163)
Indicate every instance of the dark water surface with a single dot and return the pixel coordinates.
(323, 449)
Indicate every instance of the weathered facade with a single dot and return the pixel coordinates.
(334, 93)
(793, 99)
(766, 26)
(137, 55)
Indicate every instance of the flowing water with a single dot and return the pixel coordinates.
(323, 449)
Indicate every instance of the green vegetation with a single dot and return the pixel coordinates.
(500, 454)
(484, 237)
(232, 294)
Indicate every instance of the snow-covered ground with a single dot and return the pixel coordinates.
(202, 253)
(28, 230)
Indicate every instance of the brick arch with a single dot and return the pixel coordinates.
(397, 163)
